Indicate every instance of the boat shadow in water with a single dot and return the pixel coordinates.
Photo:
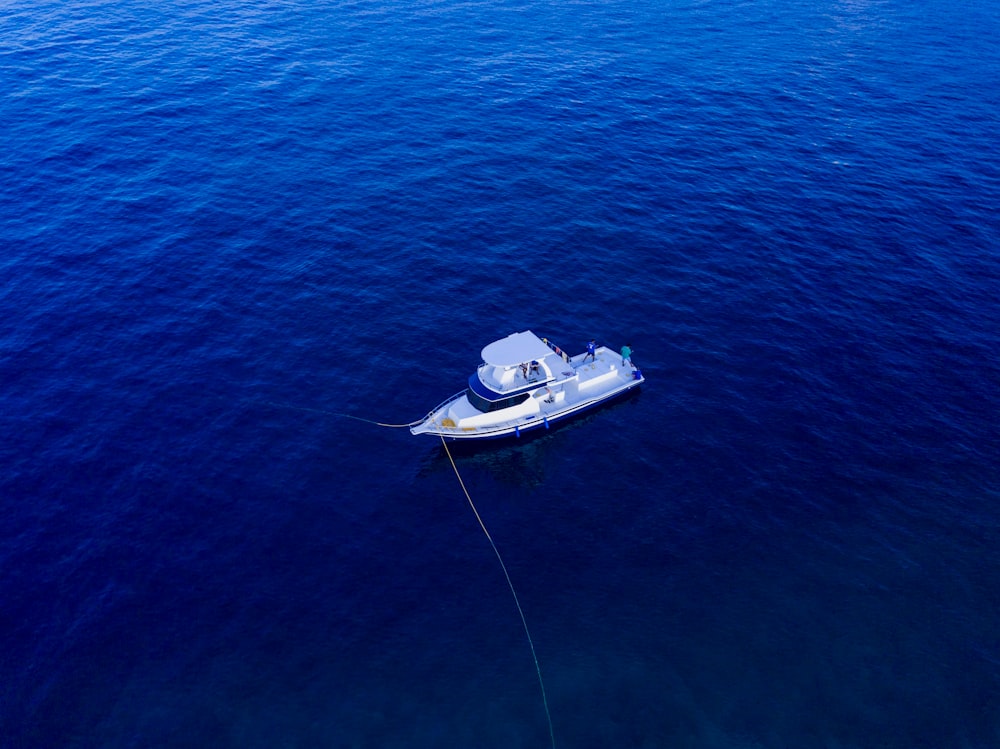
(519, 461)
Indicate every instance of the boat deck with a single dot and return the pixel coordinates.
(605, 361)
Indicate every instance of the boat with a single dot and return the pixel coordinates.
(527, 383)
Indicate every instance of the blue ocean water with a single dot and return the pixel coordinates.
(220, 220)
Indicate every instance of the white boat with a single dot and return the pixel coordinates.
(526, 382)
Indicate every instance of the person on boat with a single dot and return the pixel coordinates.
(626, 355)
(591, 351)
(524, 370)
(534, 368)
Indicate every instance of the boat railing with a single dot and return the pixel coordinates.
(442, 404)
(457, 429)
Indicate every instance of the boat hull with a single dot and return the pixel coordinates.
(529, 425)
(540, 431)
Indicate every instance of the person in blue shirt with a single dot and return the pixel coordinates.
(626, 355)
(591, 351)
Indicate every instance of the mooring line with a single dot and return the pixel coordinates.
(510, 584)
(538, 668)
(334, 413)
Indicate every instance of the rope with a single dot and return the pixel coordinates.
(520, 611)
(345, 416)
(517, 603)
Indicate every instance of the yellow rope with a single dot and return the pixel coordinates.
(520, 611)
(345, 416)
(517, 603)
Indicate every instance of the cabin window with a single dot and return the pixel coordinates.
(481, 404)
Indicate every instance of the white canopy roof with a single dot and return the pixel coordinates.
(517, 348)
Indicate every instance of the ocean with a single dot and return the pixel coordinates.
(226, 227)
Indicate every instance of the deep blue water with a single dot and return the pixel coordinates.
(789, 538)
